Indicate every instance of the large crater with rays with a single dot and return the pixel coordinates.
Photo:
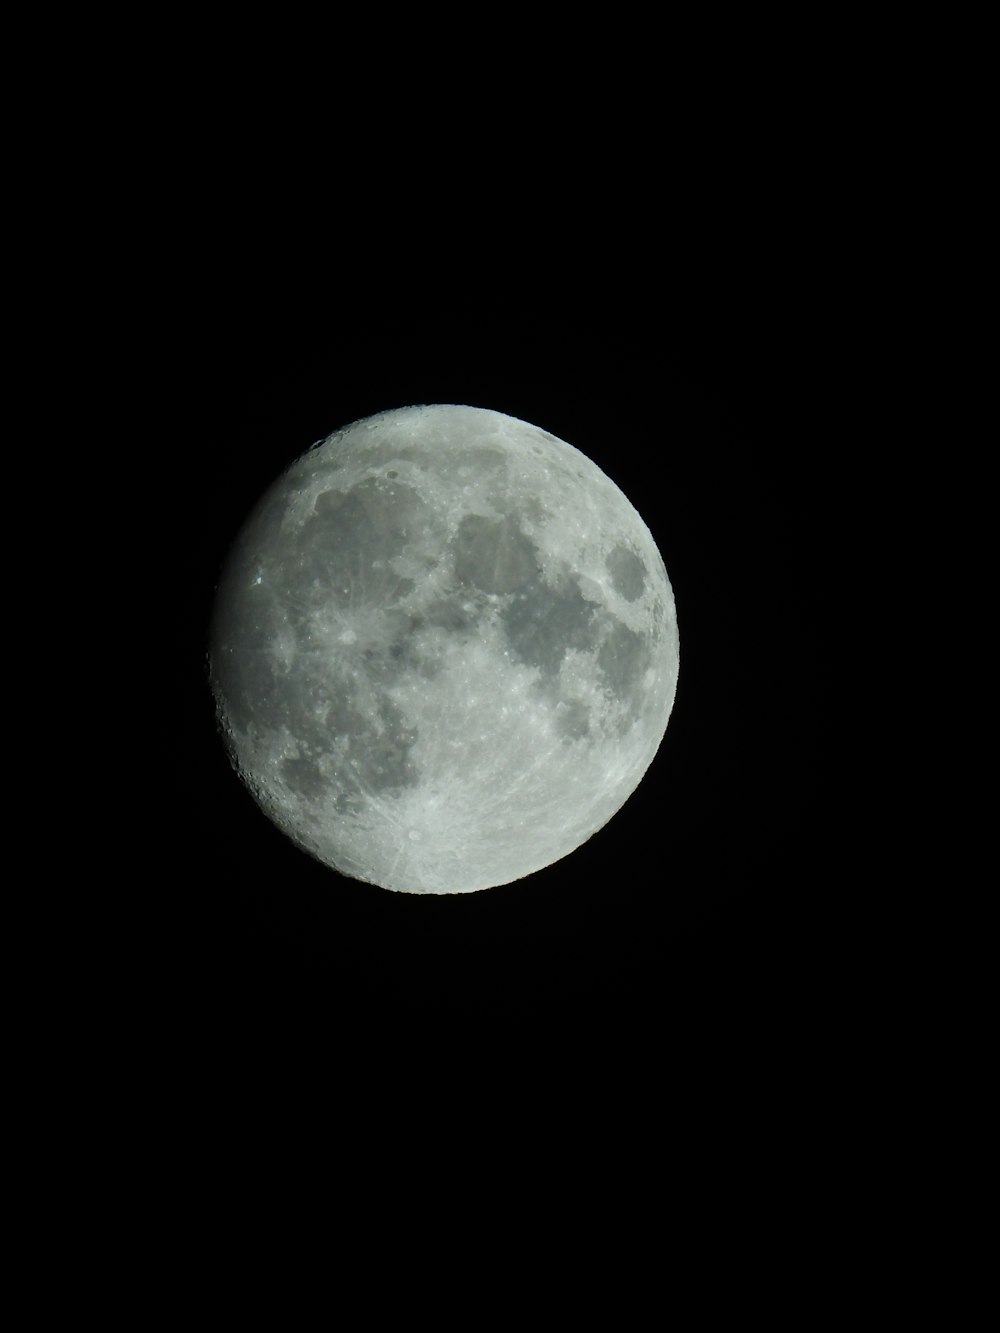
(444, 649)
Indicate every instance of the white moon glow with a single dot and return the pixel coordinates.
(444, 650)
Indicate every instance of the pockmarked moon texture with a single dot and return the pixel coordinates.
(444, 650)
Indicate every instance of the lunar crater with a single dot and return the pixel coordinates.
(628, 573)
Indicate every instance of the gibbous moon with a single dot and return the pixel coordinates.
(444, 650)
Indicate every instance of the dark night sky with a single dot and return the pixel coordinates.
(699, 283)
(701, 303)
(679, 1039)
(715, 900)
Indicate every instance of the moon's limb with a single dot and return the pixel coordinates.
(444, 649)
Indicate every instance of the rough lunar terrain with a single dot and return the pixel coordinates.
(444, 649)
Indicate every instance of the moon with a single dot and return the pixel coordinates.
(443, 650)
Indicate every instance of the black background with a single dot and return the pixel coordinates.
(712, 911)
(700, 282)
(699, 286)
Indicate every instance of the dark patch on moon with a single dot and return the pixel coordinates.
(373, 747)
(481, 458)
(493, 555)
(622, 660)
(572, 719)
(628, 573)
(449, 615)
(533, 509)
(341, 552)
(370, 518)
(544, 622)
(304, 777)
(385, 754)
(416, 646)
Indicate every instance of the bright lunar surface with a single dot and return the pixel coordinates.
(444, 650)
